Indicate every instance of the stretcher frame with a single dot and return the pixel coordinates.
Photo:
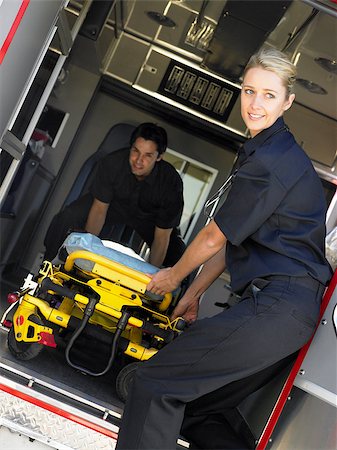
(111, 297)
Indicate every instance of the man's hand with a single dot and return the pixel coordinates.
(96, 217)
(159, 245)
(163, 281)
(187, 308)
(208, 248)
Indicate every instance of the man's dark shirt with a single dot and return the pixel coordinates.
(274, 214)
(155, 201)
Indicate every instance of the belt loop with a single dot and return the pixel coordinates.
(255, 291)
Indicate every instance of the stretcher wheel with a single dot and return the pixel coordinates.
(124, 379)
(24, 350)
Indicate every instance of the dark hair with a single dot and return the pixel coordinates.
(151, 132)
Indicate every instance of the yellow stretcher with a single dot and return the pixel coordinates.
(108, 304)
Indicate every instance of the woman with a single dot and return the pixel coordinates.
(269, 233)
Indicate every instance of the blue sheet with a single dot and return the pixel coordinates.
(91, 243)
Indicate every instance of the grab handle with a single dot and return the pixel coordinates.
(105, 262)
(117, 267)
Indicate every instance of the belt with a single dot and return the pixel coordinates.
(307, 281)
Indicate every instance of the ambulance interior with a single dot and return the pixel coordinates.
(176, 63)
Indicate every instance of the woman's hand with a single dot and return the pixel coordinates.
(163, 281)
(187, 308)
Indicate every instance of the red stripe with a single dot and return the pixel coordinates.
(13, 29)
(275, 415)
(59, 412)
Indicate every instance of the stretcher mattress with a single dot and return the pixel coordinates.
(91, 243)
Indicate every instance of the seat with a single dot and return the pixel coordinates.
(17, 222)
(116, 138)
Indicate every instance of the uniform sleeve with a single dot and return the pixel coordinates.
(102, 187)
(169, 214)
(255, 195)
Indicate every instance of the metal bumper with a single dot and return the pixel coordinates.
(43, 418)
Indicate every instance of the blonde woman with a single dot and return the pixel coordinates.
(269, 234)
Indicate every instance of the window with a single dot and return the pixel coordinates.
(198, 180)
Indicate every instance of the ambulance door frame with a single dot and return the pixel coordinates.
(272, 421)
(66, 38)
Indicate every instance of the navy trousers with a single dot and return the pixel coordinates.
(275, 317)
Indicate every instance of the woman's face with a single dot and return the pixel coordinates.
(263, 99)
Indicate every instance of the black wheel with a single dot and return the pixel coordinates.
(124, 379)
(24, 350)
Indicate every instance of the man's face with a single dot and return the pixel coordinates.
(143, 157)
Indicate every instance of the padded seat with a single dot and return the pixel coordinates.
(117, 137)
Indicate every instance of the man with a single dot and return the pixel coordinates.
(134, 187)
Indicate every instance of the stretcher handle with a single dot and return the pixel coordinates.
(120, 268)
(166, 335)
(48, 285)
(108, 263)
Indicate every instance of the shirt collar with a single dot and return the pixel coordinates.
(151, 178)
(252, 144)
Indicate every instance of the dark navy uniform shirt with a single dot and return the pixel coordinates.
(274, 214)
(155, 201)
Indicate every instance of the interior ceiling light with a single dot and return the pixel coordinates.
(161, 19)
(311, 87)
(327, 64)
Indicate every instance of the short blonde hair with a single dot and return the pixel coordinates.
(277, 62)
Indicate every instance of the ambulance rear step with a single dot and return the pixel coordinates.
(53, 417)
